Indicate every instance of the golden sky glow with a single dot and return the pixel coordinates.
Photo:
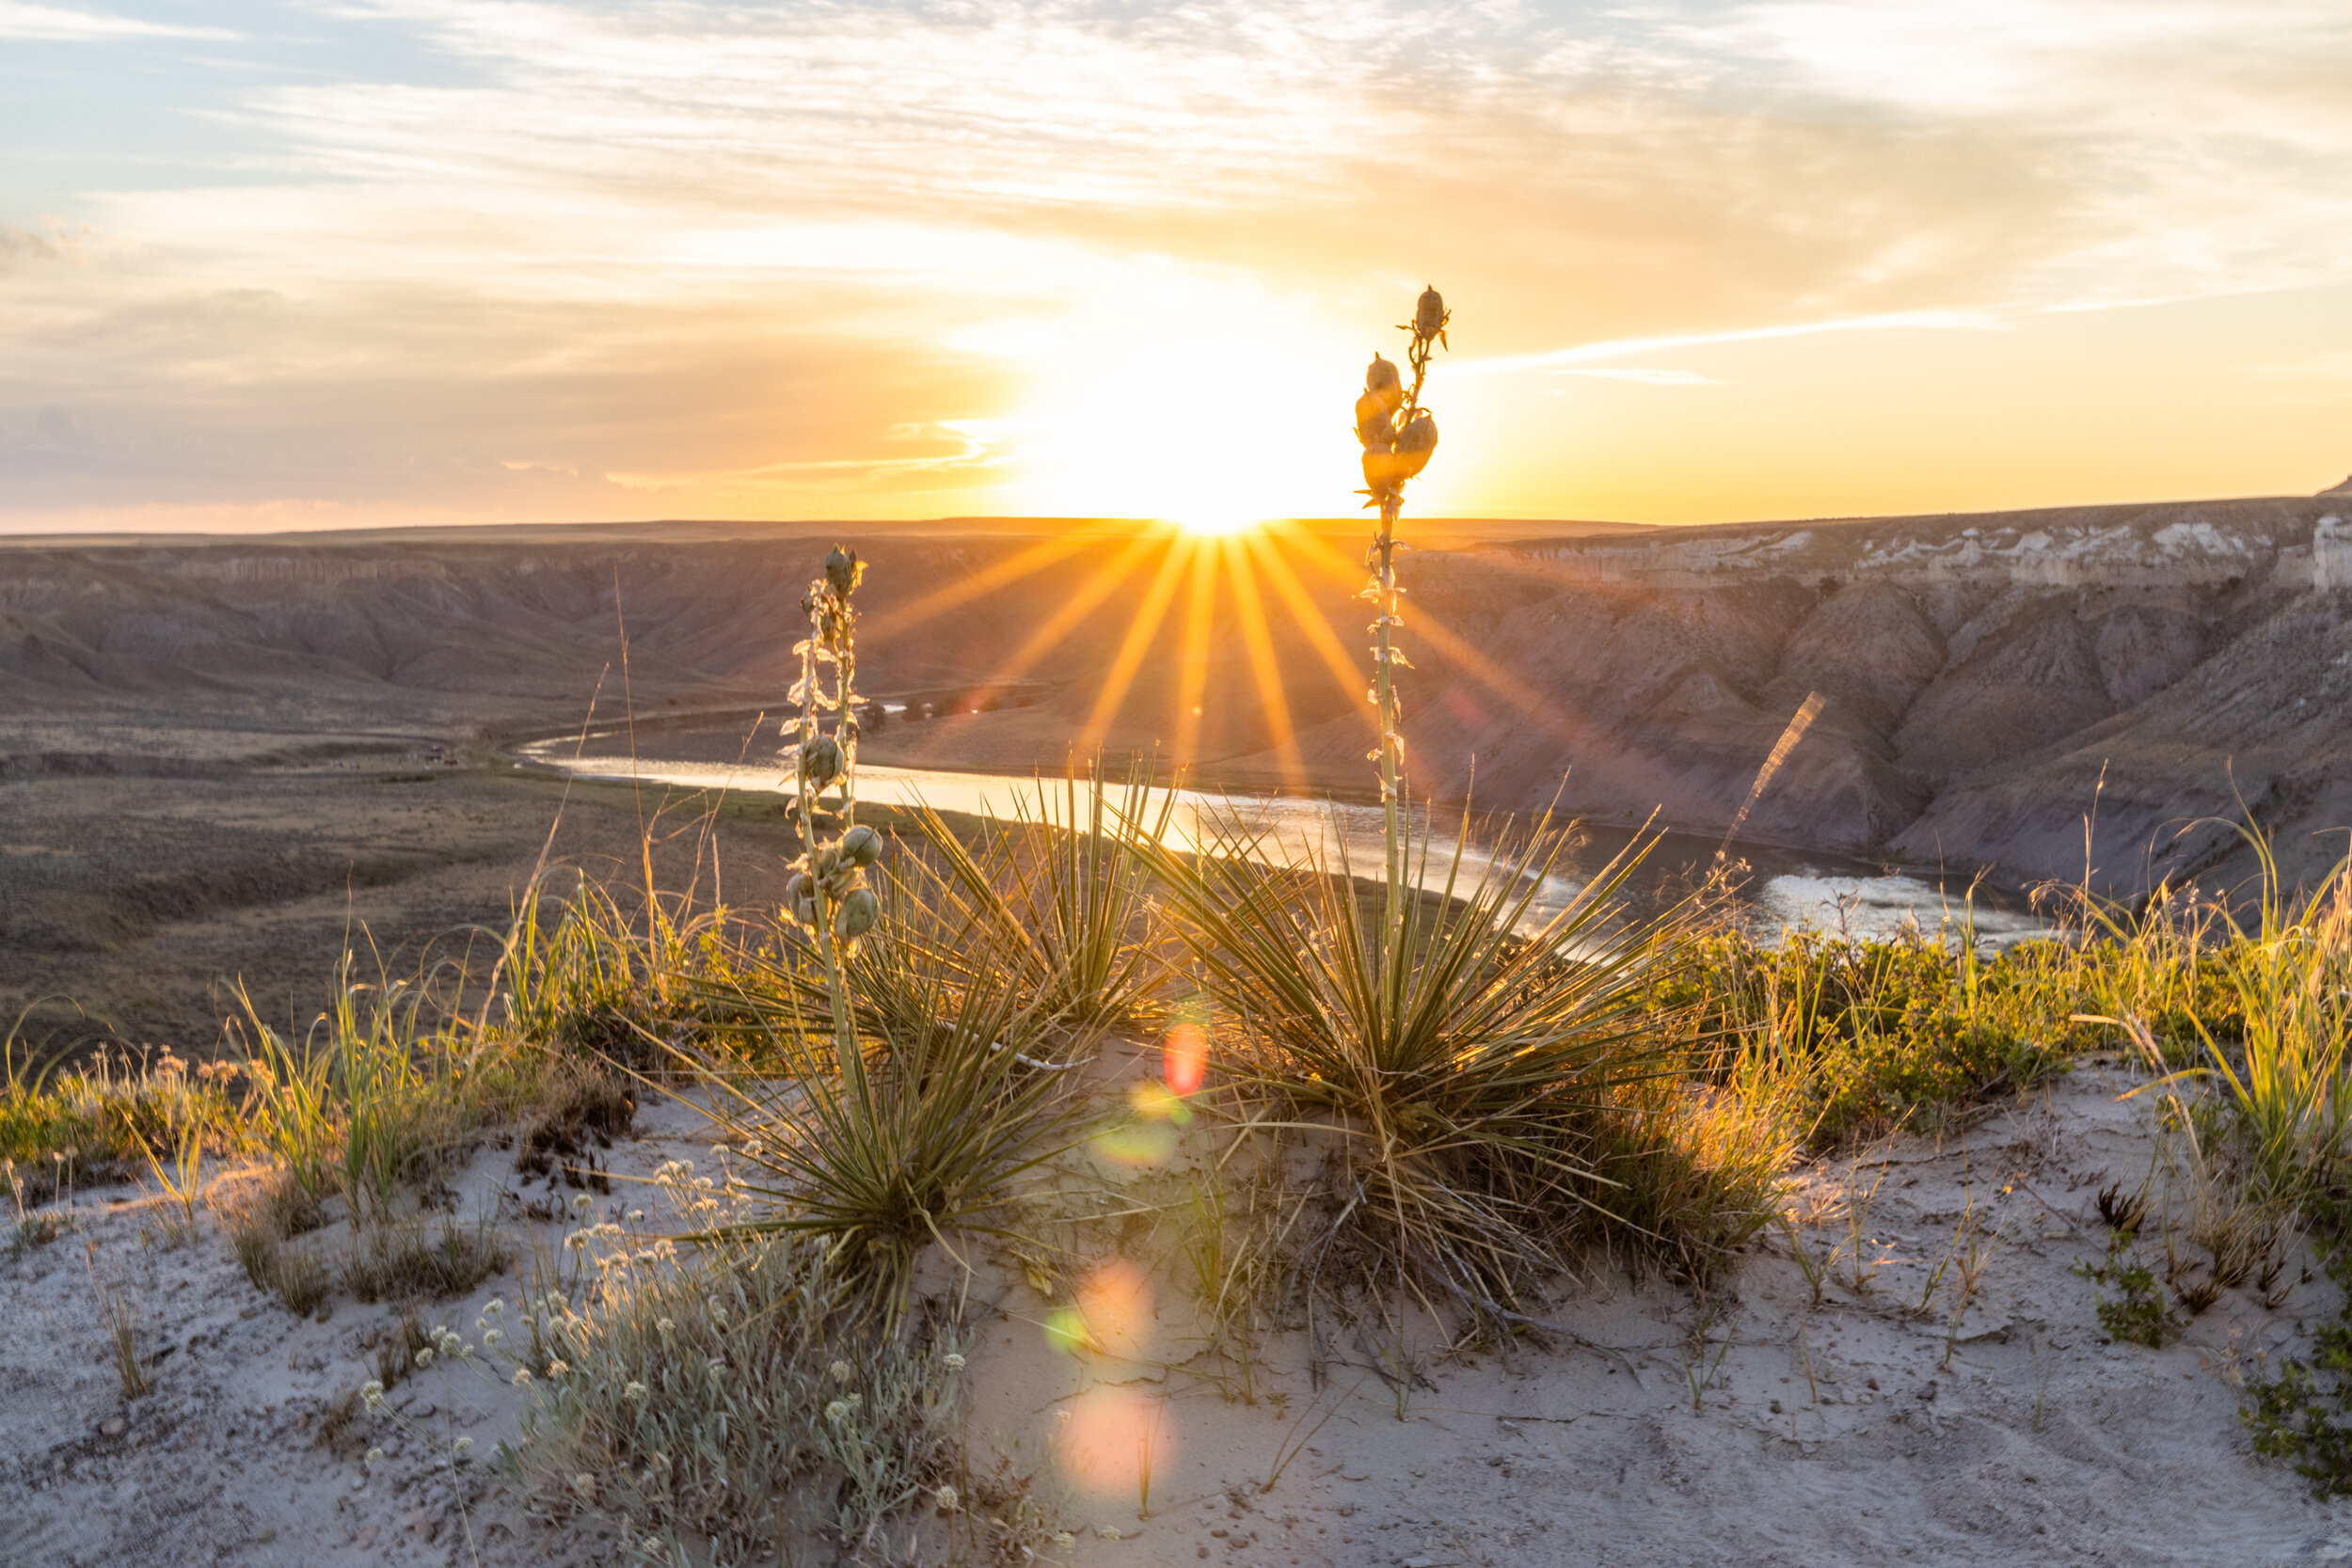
(289, 265)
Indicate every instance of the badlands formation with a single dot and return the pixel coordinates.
(1991, 681)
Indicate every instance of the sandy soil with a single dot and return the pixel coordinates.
(1854, 1430)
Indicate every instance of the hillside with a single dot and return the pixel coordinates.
(1983, 673)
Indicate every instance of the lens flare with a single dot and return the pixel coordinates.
(1184, 1058)
(1114, 1441)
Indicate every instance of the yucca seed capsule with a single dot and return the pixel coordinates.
(857, 915)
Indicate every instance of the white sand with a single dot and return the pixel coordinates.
(2020, 1439)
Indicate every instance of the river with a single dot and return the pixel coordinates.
(1782, 887)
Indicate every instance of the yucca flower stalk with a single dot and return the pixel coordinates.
(1398, 437)
(828, 894)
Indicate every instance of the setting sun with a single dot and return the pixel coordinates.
(1183, 397)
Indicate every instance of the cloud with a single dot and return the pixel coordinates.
(1648, 377)
(58, 24)
(731, 249)
(1919, 321)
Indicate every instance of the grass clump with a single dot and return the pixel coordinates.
(415, 1261)
(260, 1228)
(1885, 1032)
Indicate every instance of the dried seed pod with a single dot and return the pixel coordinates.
(800, 898)
(1382, 469)
(820, 761)
(1413, 447)
(1381, 381)
(843, 569)
(1429, 316)
(857, 915)
(862, 845)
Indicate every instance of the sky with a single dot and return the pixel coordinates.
(277, 265)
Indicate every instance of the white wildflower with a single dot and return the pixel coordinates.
(1108, 1532)
(584, 1484)
(1065, 1540)
(665, 1327)
(837, 1412)
(581, 1203)
(494, 1307)
(522, 1375)
(840, 1370)
(372, 1394)
(634, 1391)
(424, 1356)
(492, 1336)
(376, 1457)
(953, 1362)
(557, 1369)
(462, 1447)
(947, 1499)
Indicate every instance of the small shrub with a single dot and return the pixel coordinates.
(657, 1402)
(39, 1227)
(2139, 1314)
(2293, 1418)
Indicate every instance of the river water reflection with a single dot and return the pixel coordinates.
(1783, 887)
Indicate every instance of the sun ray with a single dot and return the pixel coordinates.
(1058, 626)
(1327, 642)
(1138, 643)
(1250, 610)
(1451, 646)
(1044, 553)
(1193, 668)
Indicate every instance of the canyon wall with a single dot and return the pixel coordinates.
(1995, 687)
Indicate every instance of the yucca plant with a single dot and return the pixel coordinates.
(924, 1130)
(1398, 437)
(1461, 1063)
(828, 894)
(1058, 900)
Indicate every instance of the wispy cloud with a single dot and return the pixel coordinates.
(59, 24)
(1618, 348)
(736, 248)
(1646, 377)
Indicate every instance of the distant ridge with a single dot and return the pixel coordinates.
(2344, 489)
